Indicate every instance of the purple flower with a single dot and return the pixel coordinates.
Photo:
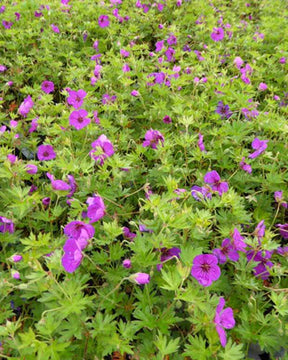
(46, 152)
(47, 86)
(224, 319)
(103, 21)
(58, 185)
(201, 145)
(249, 114)
(15, 274)
(12, 158)
(170, 54)
(278, 196)
(283, 229)
(143, 228)
(126, 263)
(26, 106)
(78, 119)
(262, 87)
(34, 125)
(76, 98)
(124, 53)
(159, 45)
(73, 185)
(80, 232)
(263, 258)
(223, 110)
(107, 99)
(96, 208)
(17, 258)
(141, 278)
(283, 251)
(2, 9)
(217, 34)
(101, 149)
(167, 254)
(3, 68)
(55, 28)
(204, 191)
(31, 169)
(152, 138)
(167, 119)
(260, 230)
(7, 24)
(205, 269)
(238, 242)
(282, 60)
(214, 179)
(135, 93)
(46, 201)
(73, 255)
(238, 62)
(6, 225)
(227, 250)
(245, 166)
(128, 234)
(172, 40)
(259, 146)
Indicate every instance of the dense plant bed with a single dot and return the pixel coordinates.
(143, 202)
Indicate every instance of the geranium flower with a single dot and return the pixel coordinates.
(223, 110)
(214, 179)
(167, 119)
(76, 98)
(204, 191)
(103, 21)
(278, 196)
(263, 258)
(26, 106)
(6, 225)
(47, 86)
(205, 269)
(283, 229)
(141, 278)
(224, 319)
(31, 169)
(96, 208)
(262, 87)
(46, 152)
(73, 255)
(58, 185)
(126, 263)
(78, 119)
(259, 146)
(101, 149)
(152, 139)
(167, 254)
(201, 145)
(244, 166)
(227, 250)
(217, 34)
(55, 29)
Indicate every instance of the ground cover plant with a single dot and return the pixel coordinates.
(143, 179)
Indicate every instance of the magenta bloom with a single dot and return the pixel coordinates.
(3, 68)
(142, 278)
(73, 255)
(205, 269)
(259, 146)
(283, 250)
(47, 87)
(263, 258)
(6, 225)
(227, 250)
(7, 24)
(46, 152)
(101, 149)
(16, 275)
(167, 254)
(31, 169)
(260, 230)
(152, 138)
(58, 185)
(238, 62)
(204, 191)
(278, 196)
(167, 119)
(201, 145)
(214, 179)
(223, 110)
(128, 234)
(217, 34)
(26, 106)
(78, 119)
(80, 232)
(283, 229)
(34, 125)
(244, 166)
(135, 93)
(76, 98)
(159, 45)
(103, 21)
(224, 319)
(262, 87)
(17, 258)
(238, 242)
(96, 208)
(126, 263)
(55, 28)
